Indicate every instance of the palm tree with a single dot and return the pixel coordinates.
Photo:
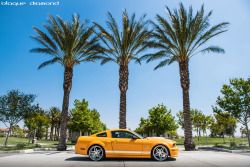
(121, 47)
(178, 40)
(69, 44)
(54, 113)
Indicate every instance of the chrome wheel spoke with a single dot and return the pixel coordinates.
(96, 153)
(160, 153)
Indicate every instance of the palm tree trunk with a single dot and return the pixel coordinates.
(46, 137)
(67, 85)
(51, 133)
(123, 85)
(184, 79)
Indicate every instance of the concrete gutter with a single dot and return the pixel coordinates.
(223, 150)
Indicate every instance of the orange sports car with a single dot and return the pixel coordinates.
(122, 143)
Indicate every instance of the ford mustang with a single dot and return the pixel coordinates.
(122, 143)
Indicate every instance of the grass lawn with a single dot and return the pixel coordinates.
(15, 140)
(212, 141)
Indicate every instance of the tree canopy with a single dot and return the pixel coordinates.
(223, 124)
(38, 120)
(14, 107)
(236, 100)
(160, 120)
(85, 119)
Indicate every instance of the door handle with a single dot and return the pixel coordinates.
(108, 141)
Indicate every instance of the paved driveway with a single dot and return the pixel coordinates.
(68, 158)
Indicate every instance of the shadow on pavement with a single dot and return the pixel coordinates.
(117, 159)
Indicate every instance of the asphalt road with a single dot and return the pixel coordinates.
(70, 159)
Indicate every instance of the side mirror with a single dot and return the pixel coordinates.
(135, 137)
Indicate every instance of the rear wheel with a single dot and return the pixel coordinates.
(160, 153)
(96, 153)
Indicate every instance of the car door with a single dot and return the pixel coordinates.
(124, 145)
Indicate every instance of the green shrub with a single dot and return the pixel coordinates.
(233, 144)
(2, 135)
(20, 146)
(21, 135)
(38, 146)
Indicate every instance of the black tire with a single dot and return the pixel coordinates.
(160, 153)
(96, 153)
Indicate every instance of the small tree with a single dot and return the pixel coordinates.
(17, 131)
(197, 120)
(236, 100)
(173, 134)
(14, 107)
(37, 120)
(85, 119)
(243, 132)
(54, 115)
(225, 124)
(144, 127)
(160, 120)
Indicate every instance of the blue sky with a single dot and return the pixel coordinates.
(99, 84)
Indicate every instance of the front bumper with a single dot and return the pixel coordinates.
(174, 152)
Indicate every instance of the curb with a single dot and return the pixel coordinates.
(17, 152)
(44, 149)
(224, 150)
(71, 148)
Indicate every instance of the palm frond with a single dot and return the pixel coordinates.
(106, 60)
(179, 37)
(214, 49)
(162, 64)
(49, 62)
(68, 42)
(121, 45)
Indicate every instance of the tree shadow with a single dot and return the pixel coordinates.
(118, 159)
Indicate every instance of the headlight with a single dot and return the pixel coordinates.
(174, 145)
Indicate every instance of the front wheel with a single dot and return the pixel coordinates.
(160, 153)
(96, 153)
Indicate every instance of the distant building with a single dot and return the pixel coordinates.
(4, 130)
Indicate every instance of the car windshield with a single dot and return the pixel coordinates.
(138, 135)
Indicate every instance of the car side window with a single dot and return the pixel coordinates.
(121, 134)
(102, 135)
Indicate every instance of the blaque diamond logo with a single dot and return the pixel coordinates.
(7, 3)
(33, 3)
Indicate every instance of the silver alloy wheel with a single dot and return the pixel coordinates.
(96, 153)
(160, 153)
